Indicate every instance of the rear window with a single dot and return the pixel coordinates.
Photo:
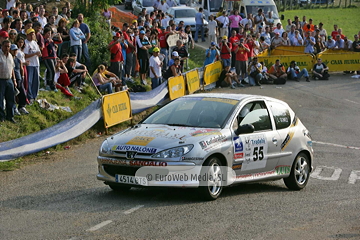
(281, 115)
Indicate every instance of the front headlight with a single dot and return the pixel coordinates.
(105, 147)
(174, 152)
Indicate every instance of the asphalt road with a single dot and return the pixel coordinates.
(59, 197)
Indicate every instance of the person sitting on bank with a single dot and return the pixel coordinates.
(255, 75)
(102, 82)
(226, 78)
(277, 73)
(294, 72)
(174, 70)
(320, 70)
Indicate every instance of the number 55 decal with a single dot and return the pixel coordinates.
(258, 153)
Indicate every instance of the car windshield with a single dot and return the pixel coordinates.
(215, 5)
(185, 13)
(147, 3)
(266, 9)
(194, 112)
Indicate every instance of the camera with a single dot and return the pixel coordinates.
(280, 65)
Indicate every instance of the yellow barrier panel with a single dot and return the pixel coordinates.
(303, 61)
(339, 60)
(292, 48)
(192, 81)
(212, 72)
(176, 87)
(286, 52)
(116, 108)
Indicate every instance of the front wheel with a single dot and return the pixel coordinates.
(212, 180)
(300, 173)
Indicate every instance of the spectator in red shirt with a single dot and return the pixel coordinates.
(164, 46)
(241, 50)
(335, 32)
(233, 39)
(225, 51)
(130, 55)
(117, 59)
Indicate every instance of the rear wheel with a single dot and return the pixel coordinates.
(300, 173)
(118, 187)
(213, 184)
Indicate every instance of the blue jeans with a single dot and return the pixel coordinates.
(85, 53)
(155, 82)
(166, 59)
(252, 80)
(199, 27)
(7, 92)
(33, 82)
(303, 72)
(77, 49)
(106, 86)
(226, 62)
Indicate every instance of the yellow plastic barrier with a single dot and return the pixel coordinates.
(300, 49)
(176, 87)
(212, 72)
(340, 60)
(116, 108)
(192, 81)
(303, 61)
(286, 52)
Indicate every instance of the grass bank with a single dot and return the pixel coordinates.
(40, 119)
(345, 18)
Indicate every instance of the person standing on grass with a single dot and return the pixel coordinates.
(143, 45)
(76, 38)
(117, 59)
(32, 54)
(199, 18)
(86, 31)
(7, 83)
(155, 65)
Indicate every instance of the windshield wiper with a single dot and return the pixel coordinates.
(179, 125)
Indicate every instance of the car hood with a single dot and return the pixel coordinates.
(153, 138)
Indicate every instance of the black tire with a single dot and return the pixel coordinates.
(300, 173)
(208, 192)
(118, 187)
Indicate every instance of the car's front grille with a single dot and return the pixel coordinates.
(122, 170)
(138, 154)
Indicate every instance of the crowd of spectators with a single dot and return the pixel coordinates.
(30, 35)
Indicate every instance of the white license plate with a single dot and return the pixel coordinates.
(131, 180)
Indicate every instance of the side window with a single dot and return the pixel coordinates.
(255, 113)
(281, 115)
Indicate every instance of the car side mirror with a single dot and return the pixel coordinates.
(282, 17)
(243, 129)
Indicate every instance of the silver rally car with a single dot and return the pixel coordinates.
(210, 141)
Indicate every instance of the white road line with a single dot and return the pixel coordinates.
(351, 101)
(100, 225)
(131, 210)
(336, 145)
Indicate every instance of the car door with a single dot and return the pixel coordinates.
(258, 151)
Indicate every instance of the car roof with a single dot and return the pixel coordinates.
(181, 8)
(239, 97)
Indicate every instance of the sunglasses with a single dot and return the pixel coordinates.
(13, 33)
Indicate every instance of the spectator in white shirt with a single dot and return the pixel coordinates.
(212, 26)
(279, 29)
(42, 18)
(163, 6)
(155, 65)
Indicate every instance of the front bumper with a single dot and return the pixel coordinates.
(163, 174)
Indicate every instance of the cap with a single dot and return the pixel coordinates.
(175, 54)
(224, 37)
(213, 44)
(14, 47)
(329, 37)
(156, 49)
(117, 34)
(30, 30)
(4, 10)
(260, 27)
(162, 27)
(142, 32)
(134, 21)
(4, 34)
(125, 25)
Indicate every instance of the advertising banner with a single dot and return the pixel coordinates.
(176, 87)
(212, 72)
(192, 81)
(340, 60)
(116, 108)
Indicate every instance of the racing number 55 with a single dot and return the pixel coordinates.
(258, 153)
